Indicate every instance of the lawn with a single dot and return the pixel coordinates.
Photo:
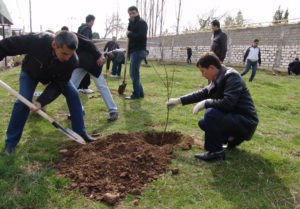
(262, 173)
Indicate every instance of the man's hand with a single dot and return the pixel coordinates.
(100, 61)
(37, 107)
(173, 102)
(198, 107)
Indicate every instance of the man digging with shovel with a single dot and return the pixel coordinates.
(50, 59)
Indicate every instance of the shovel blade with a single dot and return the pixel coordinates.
(68, 132)
(121, 88)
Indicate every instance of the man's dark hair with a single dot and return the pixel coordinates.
(215, 23)
(256, 40)
(66, 38)
(297, 58)
(64, 28)
(209, 59)
(89, 18)
(133, 8)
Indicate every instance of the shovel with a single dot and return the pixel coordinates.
(122, 87)
(71, 134)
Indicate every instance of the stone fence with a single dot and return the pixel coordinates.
(279, 45)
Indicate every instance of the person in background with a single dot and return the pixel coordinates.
(189, 55)
(49, 59)
(85, 29)
(118, 58)
(252, 58)
(230, 116)
(218, 41)
(145, 60)
(87, 66)
(137, 36)
(294, 67)
(110, 46)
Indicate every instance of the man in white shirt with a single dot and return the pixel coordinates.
(252, 56)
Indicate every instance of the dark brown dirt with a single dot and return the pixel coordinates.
(117, 164)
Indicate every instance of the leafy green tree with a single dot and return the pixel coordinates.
(279, 17)
(239, 19)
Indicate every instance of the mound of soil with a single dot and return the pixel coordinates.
(117, 164)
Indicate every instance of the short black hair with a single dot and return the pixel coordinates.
(209, 59)
(133, 8)
(64, 28)
(215, 23)
(256, 40)
(89, 18)
(297, 58)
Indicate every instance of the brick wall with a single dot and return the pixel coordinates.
(279, 45)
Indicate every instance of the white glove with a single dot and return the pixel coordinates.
(198, 107)
(173, 102)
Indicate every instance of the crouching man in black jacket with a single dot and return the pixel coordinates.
(230, 115)
(50, 59)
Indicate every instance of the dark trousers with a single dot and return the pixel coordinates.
(108, 64)
(215, 136)
(85, 82)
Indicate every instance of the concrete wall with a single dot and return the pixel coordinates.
(279, 45)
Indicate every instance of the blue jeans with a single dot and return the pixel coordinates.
(136, 58)
(79, 73)
(250, 64)
(116, 68)
(215, 136)
(20, 111)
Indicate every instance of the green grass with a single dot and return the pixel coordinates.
(263, 173)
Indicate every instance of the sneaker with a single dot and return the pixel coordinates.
(9, 149)
(113, 116)
(113, 76)
(88, 91)
(209, 156)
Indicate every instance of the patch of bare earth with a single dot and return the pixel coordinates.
(110, 167)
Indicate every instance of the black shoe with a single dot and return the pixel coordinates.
(9, 149)
(208, 156)
(113, 116)
(87, 138)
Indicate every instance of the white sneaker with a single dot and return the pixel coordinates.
(113, 76)
(88, 91)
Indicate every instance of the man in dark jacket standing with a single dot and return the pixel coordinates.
(219, 41)
(50, 59)
(137, 35)
(85, 30)
(230, 115)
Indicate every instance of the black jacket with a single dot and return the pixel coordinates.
(86, 31)
(294, 67)
(229, 94)
(88, 53)
(41, 62)
(137, 35)
(111, 45)
(219, 44)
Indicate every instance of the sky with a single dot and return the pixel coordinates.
(53, 14)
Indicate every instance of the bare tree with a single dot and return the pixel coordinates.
(113, 26)
(205, 20)
(161, 22)
(178, 16)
